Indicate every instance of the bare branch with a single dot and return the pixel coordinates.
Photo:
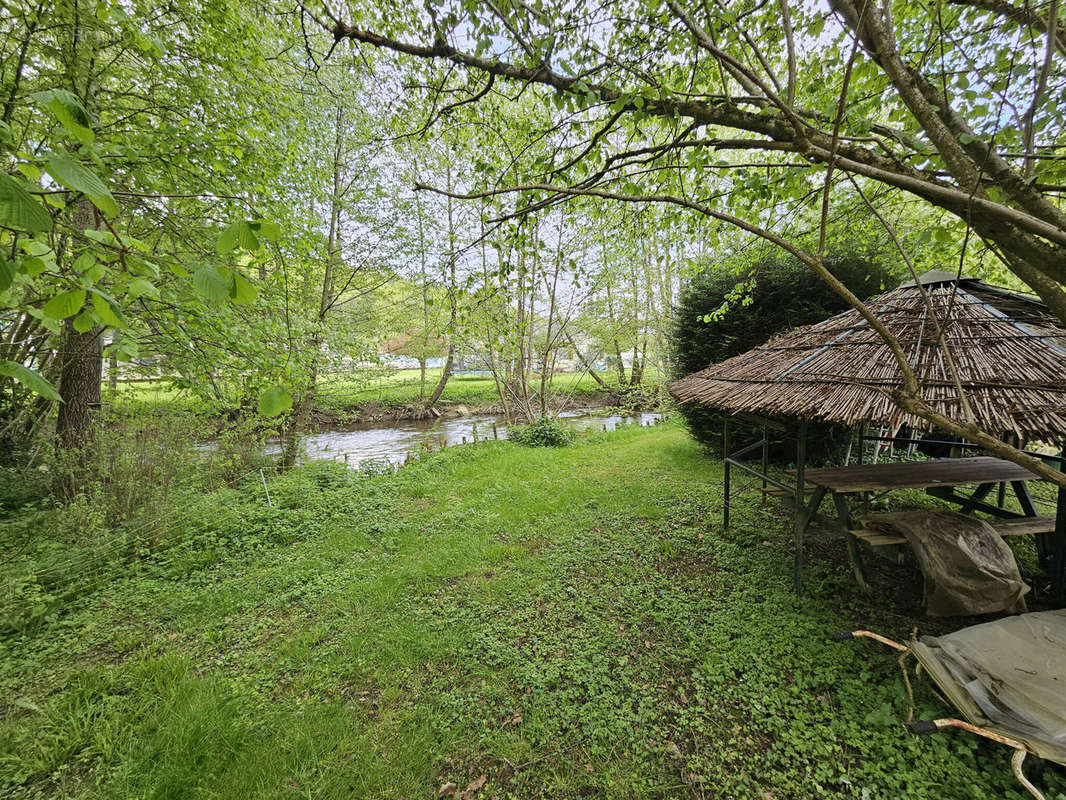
(1041, 85)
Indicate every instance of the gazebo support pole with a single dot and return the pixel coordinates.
(1058, 553)
(765, 455)
(799, 522)
(725, 455)
(862, 442)
(1058, 546)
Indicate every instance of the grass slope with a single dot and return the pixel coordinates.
(567, 623)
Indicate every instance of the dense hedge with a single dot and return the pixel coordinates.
(724, 311)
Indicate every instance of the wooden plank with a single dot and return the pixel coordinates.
(1014, 527)
(876, 539)
(1020, 527)
(950, 495)
(917, 474)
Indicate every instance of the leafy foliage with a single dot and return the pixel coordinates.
(728, 309)
(546, 431)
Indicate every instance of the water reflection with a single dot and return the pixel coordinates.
(395, 442)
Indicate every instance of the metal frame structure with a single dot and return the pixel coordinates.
(798, 491)
(1051, 548)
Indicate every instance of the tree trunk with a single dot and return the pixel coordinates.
(453, 302)
(447, 373)
(79, 385)
(81, 365)
(300, 420)
(584, 362)
(619, 365)
(112, 372)
(636, 373)
(79, 388)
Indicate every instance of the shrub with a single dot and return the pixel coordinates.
(728, 310)
(545, 432)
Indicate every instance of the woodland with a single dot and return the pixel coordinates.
(230, 226)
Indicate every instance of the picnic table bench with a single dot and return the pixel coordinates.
(939, 478)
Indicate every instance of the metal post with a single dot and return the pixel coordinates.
(725, 454)
(266, 491)
(1058, 553)
(764, 459)
(1057, 563)
(801, 499)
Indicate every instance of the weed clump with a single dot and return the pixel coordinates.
(545, 432)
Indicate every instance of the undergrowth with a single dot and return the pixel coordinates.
(564, 622)
(545, 431)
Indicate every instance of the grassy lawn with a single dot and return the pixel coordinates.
(402, 387)
(566, 623)
(338, 392)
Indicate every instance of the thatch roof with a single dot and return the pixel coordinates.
(1009, 351)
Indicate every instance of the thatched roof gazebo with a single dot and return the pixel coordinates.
(1008, 350)
(1009, 356)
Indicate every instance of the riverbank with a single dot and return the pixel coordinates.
(398, 395)
(517, 622)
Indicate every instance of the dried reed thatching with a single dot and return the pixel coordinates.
(1008, 350)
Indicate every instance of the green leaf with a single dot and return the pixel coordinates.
(246, 236)
(7, 274)
(33, 266)
(227, 240)
(65, 304)
(84, 321)
(139, 287)
(270, 231)
(126, 350)
(108, 311)
(95, 272)
(213, 283)
(27, 704)
(66, 108)
(30, 379)
(243, 291)
(275, 400)
(74, 176)
(19, 210)
(103, 237)
(84, 262)
(31, 171)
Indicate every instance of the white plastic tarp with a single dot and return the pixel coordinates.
(1008, 675)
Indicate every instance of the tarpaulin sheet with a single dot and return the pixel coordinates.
(968, 568)
(1008, 675)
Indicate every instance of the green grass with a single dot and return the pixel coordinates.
(342, 391)
(402, 387)
(149, 395)
(568, 622)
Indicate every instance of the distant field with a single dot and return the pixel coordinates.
(402, 387)
(341, 391)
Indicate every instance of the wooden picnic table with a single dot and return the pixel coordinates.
(917, 474)
(940, 478)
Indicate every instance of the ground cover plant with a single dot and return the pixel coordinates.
(564, 622)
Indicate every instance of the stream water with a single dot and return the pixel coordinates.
(392, 443)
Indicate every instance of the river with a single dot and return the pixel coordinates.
(384, 443)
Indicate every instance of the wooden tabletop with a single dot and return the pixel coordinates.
(917, 474)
